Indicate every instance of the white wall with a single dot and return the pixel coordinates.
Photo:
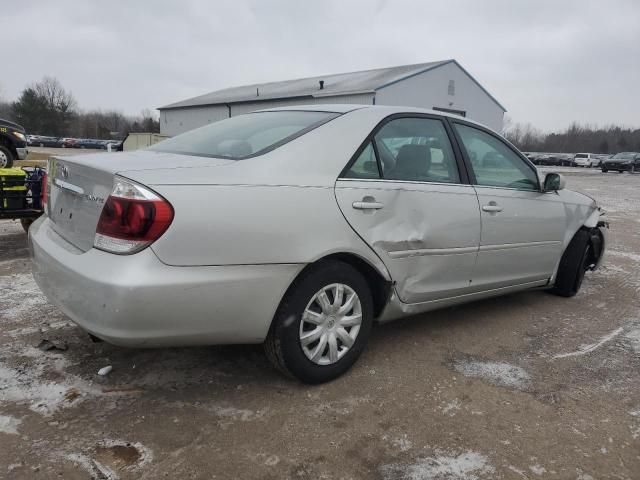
(430, 89)
(180, 120)
(239, 108)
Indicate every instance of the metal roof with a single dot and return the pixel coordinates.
(366, 81)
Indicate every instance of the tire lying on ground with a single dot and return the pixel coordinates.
(323, 323)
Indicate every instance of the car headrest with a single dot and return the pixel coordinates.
(414, 159)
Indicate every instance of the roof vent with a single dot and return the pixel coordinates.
(321, 84)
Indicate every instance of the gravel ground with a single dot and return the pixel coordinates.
(524, 386)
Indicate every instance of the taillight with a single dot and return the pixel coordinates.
(133, 217)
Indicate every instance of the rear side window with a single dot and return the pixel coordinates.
(245, 135)
(365, 165)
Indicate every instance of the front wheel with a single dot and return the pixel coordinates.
(323, 323)
(6, 157)
(573, 265)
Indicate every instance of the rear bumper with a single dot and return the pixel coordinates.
(137, 300)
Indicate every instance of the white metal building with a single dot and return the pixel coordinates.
(443, 85)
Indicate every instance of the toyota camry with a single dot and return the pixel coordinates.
(301, 227)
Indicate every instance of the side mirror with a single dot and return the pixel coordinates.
(553, 182)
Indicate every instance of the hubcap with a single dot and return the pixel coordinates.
(3, 159)
(330, 324)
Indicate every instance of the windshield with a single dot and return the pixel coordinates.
(624, 155)
(245, 135)
(582, 155)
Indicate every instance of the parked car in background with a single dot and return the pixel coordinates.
(43, 141)
(586, 160)
(68, 142)
(90, 143)
(334, 217)
(550, 159)
(13, 143)
(622, 162)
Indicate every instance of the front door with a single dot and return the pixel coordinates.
(522, 227)
(404, 196)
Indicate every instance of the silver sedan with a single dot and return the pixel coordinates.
(300, 227)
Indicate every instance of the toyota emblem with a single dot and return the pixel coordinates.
(65, 171)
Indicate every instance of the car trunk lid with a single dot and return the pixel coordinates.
(79, 186)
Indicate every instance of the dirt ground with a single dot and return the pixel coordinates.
(524, 386)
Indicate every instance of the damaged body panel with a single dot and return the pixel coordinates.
(427, 234)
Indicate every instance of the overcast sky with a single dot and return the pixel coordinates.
(547, 62)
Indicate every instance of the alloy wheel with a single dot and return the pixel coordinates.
(330, 324)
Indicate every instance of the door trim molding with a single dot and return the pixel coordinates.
(508, 246)
(418, 252)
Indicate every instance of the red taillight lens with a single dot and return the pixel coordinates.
(133, 218)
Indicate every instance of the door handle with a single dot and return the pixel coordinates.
(492, 208)
(369, 205)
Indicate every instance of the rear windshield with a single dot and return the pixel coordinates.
(582, 155)
(245, 135)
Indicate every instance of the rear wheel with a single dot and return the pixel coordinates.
(6, 157)
(573, 265)
(323, 323)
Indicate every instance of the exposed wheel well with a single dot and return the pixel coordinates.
(380, 287)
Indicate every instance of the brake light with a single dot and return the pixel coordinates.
(133, 217)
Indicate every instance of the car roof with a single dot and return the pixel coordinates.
(383, 110)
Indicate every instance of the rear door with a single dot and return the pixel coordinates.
(405, 194)
(522, 227)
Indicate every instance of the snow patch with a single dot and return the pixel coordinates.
(29, 385)
(464, 466)
(9, 424)
(590, 347)
(538, 469)
(20, 296)
(402, 443)
(498, 373)
(451, 407)
(633, 336)
(95, 469)
(631, 256)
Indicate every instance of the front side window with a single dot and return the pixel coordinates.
(416, 149)
(245, 135)
(494, 163)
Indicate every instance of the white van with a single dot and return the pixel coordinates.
(586, 160)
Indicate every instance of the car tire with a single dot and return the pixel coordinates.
(26, 223)
(284, 343)
(6, 157)
(604, 170)
(572, 265)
